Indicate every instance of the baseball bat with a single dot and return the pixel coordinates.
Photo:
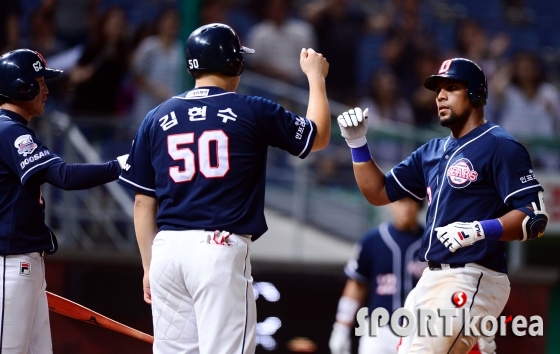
(71, 309)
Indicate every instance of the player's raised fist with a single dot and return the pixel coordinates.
(460, 234)
(353, 126)
(313, 64)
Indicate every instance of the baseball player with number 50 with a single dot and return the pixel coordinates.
(197, 166)
(481, 191)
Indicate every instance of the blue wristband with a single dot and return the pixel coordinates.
(493, 229)
(361, 154)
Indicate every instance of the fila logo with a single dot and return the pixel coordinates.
(24, 269)
(37, 66)
(478, 230)
(126, 167)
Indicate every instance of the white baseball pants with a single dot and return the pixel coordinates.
(487, 294)
(202, 294)
(24, 312)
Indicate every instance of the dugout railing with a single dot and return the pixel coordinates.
(319, 190)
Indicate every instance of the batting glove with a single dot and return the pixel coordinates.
(460, 234)
(487, 345)
(353, 126)
(340, 340)
(122, 160)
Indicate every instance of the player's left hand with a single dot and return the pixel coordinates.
(460, 234)
(340, 341)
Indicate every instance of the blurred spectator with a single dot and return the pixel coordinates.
(74, 19)
(9, 25)
(516, 13)
(386, 108)
(529, 106)
(473, 43)
(239, 16)
(405, 41)
(214, 11)
(157, 66)
(385, 102)
(338, 25)
(97, 77)
(424, 100)
(278, 40)
(42, 37)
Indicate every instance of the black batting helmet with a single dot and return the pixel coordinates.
(462, 70)
(18, 70)
(215, 47)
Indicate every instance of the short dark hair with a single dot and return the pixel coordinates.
(3, 100)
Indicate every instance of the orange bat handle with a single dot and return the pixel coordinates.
(71, 309)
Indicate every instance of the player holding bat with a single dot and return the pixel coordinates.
(25, 164)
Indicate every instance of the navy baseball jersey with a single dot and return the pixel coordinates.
(203, 156)
(482, 175)
(22, 208)
(387, 260)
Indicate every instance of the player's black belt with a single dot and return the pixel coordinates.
(437, 266)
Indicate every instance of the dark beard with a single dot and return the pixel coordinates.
(453, 120)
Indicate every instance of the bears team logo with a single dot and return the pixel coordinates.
(25, 145)
(461, 173)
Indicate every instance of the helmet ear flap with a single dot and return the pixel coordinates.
(24, 89)
(19, 70)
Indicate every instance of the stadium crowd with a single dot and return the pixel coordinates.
(123, 56)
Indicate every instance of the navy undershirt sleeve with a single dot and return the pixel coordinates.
(78, 176)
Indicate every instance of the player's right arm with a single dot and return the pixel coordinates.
(139, 175)
(145, 210)
(35, 164)
(316, 68)
(369, 177)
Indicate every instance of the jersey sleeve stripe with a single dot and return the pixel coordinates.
(136, 185)
(396, 251)
(351, 273)
(37, 165)
(308, 137)
(520, 190)
(409, 192)
(409, 257)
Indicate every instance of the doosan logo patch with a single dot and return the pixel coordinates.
(24, 268)
(25, 145)
(461, 173)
